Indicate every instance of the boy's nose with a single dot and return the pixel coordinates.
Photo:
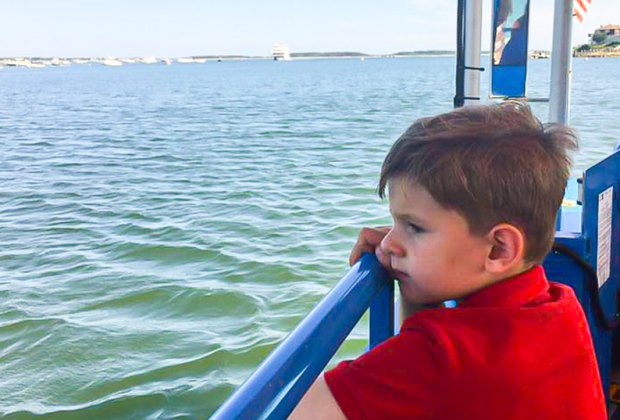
(391, 246)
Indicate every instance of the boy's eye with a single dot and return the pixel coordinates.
(414, 228)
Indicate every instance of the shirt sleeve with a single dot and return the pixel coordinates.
(399, 378)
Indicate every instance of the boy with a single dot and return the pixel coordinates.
(474, 195)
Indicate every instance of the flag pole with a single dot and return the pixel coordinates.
(561, 55)
(473, 36)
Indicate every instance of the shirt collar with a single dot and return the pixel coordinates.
(511, 292)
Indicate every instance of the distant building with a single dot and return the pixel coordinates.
(606, 34)
(280, 51)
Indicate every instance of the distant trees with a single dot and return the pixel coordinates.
(599, 37)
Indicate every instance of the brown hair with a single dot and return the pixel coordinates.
(493, 164)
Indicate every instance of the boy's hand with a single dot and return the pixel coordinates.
(369, 240)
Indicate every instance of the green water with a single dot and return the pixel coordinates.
(164, 227)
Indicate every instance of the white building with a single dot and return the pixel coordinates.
(280, 51)
(610, 33)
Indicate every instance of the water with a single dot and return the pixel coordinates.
(163, 227)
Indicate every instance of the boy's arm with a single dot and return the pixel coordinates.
(318, 403)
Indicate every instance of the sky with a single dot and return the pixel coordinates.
(179, 28)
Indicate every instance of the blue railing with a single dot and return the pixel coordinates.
(277, 385)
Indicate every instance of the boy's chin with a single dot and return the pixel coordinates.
(422, 301)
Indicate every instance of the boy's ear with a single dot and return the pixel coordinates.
(507, 249)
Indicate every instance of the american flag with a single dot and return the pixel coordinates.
(581, 8)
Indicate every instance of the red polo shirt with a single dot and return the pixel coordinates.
(519, 349)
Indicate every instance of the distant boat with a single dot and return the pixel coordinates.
(148, 60)
(538, 55)
(35, 65)
(185, 60)
(281, 52)
(166, 61)
(24, 62)
(112, 62)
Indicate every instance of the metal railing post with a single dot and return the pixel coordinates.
(281, 380)
(382, 316)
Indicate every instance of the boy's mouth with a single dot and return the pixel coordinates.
(400, 275)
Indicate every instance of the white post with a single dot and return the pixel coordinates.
(473, 48)
(561, 55)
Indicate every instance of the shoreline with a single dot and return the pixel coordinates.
(596, 54)
(41, 62)
(44, 61)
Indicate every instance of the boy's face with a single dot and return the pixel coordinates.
(434, 255)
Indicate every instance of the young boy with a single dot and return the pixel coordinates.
(474, 195)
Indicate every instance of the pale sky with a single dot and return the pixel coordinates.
(167, 28)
